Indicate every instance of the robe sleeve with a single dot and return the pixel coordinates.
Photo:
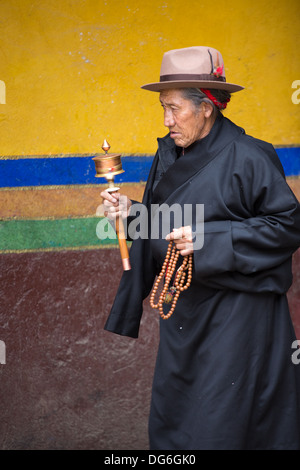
(253, 253)
(135, 285)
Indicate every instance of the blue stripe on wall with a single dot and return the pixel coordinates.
(67, 170)
(81, 170)
(290, 159)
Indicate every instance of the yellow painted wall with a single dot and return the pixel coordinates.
(72, 69)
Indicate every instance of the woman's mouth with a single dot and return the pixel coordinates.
(174, 134)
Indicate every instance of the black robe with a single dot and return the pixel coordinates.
(224, 375)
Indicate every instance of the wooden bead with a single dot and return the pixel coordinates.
(167, 271)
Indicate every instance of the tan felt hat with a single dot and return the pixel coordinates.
(192, 67)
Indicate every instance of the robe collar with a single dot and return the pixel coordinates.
(196, 157)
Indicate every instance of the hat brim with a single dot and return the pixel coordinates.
(160, 86)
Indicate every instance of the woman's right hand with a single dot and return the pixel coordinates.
(115, 204)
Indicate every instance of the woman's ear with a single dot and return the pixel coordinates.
(207, 109)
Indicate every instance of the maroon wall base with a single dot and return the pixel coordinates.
(294, 294)
(67, 383)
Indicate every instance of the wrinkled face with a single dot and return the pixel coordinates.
(185, 121)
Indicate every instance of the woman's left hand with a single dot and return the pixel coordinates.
(183, 239)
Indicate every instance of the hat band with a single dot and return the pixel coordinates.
(191, 77)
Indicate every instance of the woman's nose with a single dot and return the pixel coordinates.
(168, 118)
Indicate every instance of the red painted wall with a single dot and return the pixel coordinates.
(67, 383)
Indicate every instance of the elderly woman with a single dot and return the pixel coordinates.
(224, 377)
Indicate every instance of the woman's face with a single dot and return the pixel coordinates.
(185, 121)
